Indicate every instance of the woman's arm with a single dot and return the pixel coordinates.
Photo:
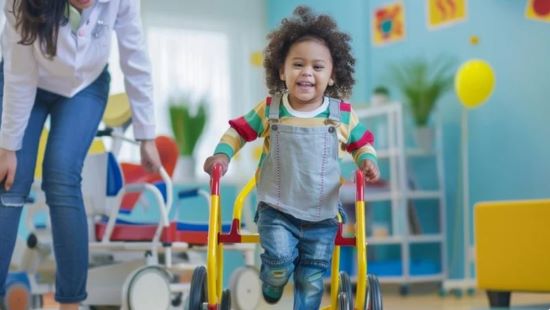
(20, 83)
(136, 67)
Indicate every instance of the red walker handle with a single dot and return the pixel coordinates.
(360, 186)
(215, 179)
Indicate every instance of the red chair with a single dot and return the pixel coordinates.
(134, 173)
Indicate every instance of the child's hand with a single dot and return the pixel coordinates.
(216, 159)
(370, 170)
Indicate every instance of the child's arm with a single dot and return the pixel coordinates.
(242, 129)
(359, 144)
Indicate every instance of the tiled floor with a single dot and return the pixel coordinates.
(429, 299)
(422, 298)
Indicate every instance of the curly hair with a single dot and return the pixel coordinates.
(305, 24)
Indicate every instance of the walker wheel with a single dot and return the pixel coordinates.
(197, 293)
(374, 294)
(18, 297)
(245, 288)
(345, 295)
(404, 290)
(148, 288)
(226, 300)
(343, 301)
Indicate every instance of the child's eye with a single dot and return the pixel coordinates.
(318, 67)
(298, 65)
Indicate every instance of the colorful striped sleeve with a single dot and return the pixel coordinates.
(252, 124)
(359, 140)
(230, 143)
(243, 129)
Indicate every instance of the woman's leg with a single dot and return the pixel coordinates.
(74, 122)
(11, 202)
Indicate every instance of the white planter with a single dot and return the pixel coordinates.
(424, 137)
(185, 169)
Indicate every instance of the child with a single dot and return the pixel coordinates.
(304, 123)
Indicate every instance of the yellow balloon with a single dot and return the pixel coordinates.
(474, 83)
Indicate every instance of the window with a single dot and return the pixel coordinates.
(194, 63)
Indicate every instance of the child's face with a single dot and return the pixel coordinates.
(307, 72)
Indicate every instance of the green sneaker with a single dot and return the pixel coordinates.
(272, 294)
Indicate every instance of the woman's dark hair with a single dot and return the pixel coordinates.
(301, 25)
(40, 19)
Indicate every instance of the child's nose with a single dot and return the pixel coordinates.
(307, 71)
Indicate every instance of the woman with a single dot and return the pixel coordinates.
(55, 64)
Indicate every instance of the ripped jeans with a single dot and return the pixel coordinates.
(73, 125)
(295, 246)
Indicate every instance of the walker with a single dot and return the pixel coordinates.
(206, 285)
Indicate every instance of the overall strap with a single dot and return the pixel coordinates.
(334, 109)
(274, 107)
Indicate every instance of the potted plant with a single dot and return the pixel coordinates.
(422, 83)
(187, 129)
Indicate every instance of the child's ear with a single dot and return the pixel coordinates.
(331, 82)
(282, 74)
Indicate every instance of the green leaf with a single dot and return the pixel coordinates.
(187, 128)
(422, 83)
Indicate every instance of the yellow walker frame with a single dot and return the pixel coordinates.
(367, 295)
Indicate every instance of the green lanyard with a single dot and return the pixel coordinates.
(74, 17)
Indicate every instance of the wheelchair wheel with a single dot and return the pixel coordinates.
(147, 288)
(345, 295)
(18, 297)
(245, 288)
(374, 294)
(197, 293)
(226, 300)
(343, 301)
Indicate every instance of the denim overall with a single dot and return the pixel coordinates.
(301, 174)
(298, 189)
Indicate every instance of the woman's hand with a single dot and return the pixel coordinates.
(216, 159)
(8, 164)
(150, 159)
(370, 170)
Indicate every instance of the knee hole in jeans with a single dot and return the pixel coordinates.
(13, 201)
(278, 277)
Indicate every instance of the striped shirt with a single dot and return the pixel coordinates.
(352, 134)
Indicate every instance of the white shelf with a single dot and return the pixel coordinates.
(397, 156)
(421, 238)
(426, 238)
(438, 277)
(424, 195)
(347, 194)
(410, 152)
(391, 152)
(384, 240)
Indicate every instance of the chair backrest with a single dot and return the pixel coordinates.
(103, 177)
(133, 173)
